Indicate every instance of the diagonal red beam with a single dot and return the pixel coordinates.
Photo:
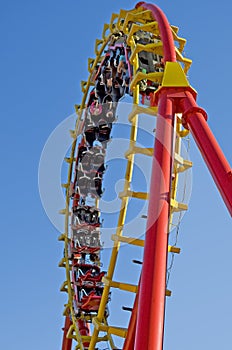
(67, 343)
(130, 339)
(195, 119)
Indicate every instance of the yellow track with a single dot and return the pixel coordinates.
(141, 20)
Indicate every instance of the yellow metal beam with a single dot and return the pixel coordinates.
(69, 160)
(65, 185)
(186, 61)
(177, 206)
(113, 22)
(66, 311)
(151, 27)
(140, 242)
(182, 164)
(181, 41)
(63, 263)
(152, 111)
(61, 237)
(133, 194)
(97, 50)
(172, 249)
(83, 86)
(64, 212)
(64, 287)
(156, 48)
(156, 77)
(90, 64)
(129, 240)
(122, 16)
(123, 286)
(139, 17)
(73, 134)
(120, 332)
(106, 28)
(71, 334)
(139, 150)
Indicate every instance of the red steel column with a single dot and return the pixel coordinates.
(67, 343)
(130, 338)
(214, 158)
(84, 331)
(150, 301)
(151, 304)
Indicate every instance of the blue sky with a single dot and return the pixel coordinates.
(44, 50)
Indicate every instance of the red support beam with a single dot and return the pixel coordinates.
(84, 330)
(151, 303)
(67, 343)
(195, 119)
(148, 333)
(130, 339)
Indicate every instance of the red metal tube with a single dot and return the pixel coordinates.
(84, 330)
(130, 339)
(165, 30)
(209, 148)
(150, 323)
(151, 304)
(67, 343)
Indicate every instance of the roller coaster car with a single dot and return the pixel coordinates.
(94, 257)
(91, 302)
(113, 48)
(82, 267)
(83, 182)
(86, 161)
(107, 113)
(109, 109)
(144, 38)
(117, 38)
(104, 62)
(96, 186)
(98, 157)
(90, 131)
(90, 183)
(148, 61)
(106, 73)
(92, 97)
(88, 276)
(117, 91)
(82, 149)
(85, 237)
(100, 89)
(85, 215)
(92, 163)
(95, 109)
(96, 113)
(78, 251)
(104, 130)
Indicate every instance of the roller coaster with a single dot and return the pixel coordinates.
(140, 57)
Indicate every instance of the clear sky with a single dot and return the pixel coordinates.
(44, 50)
